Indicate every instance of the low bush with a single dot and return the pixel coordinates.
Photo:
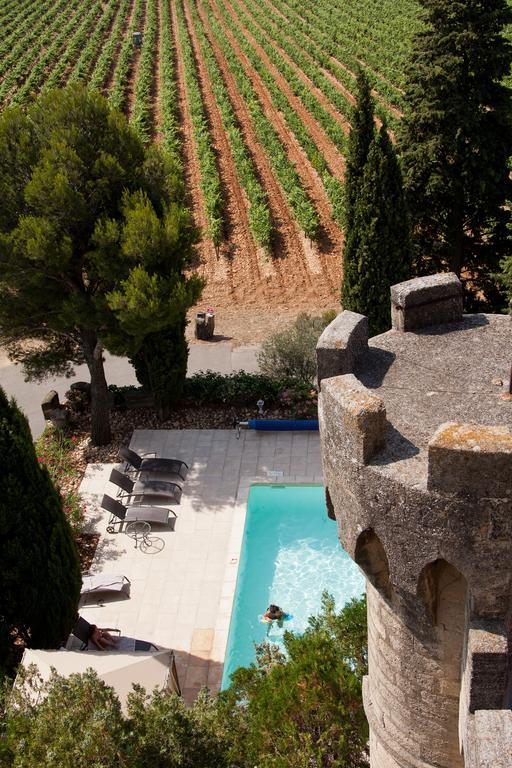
(53, 449)
(292, 351)
(243, 388)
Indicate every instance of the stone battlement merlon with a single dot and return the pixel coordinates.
(426, 301)
(340, 345)
(471, 459)
(485, 719)
(359, 417)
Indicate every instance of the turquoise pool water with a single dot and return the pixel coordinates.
(290, 555)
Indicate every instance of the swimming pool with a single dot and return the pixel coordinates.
(290, 555)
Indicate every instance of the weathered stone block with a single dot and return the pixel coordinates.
(340, 344)
(471, 459)
(486, 665)
(50, 403)
(425, 301)
(354, 418)
(488, 742)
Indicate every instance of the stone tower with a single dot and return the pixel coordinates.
(417, 452)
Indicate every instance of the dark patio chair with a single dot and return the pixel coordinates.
(153, 464)
(120, 514)
(160, 488)
(83, 630)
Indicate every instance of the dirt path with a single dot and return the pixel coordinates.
(105, 38)
(106, 34)
(108, 82)
(341, 87)
(376, 95)
(206, 256)
(135, 64)
(323, 256)
(247, 267)
(293, 284)
(41, 46)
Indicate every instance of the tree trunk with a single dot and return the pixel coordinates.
(100, 417)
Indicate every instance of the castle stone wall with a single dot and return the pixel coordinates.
(425, 509)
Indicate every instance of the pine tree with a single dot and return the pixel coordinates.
(456, 140)
(161, 366)
(39, 566)
(361, 136)
(378, 251)
(94, 240)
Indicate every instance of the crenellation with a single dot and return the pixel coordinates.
(471, 459)
(340, 345)
(419, 480)
(359, 415)
(426, 301)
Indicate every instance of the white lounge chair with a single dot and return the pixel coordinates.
(104, 582)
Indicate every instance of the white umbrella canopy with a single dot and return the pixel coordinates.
(119, 669)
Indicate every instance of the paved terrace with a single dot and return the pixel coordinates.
(183, 585)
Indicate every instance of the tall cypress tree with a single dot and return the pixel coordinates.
(39, 566)
(362, 132)
(456, 140)
(378, 250)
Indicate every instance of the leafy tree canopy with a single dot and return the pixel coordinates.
(306, 709)
(362, 132)
(94, 238)
(456, 141)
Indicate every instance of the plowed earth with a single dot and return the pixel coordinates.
(253, 293)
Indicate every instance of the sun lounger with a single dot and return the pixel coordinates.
(83, 629)
(160, 488)
(120, 514)
(104, 582)
(153, 464)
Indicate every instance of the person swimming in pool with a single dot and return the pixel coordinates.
(273, 613)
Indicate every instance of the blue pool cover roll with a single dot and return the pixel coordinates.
(283, 425)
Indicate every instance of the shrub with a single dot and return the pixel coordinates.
(161, 366)
(302, 709)
(53, 448)
(241, 388)
(39, 566)
(291, 352)
(234, 389)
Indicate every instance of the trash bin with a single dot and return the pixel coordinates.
(205, 325)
